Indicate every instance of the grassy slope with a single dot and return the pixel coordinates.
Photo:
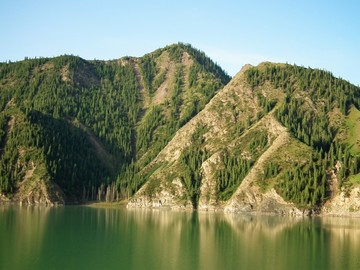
(353, 128)
(353, 180)
(293, 152)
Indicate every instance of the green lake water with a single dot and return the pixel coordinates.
(79, 237)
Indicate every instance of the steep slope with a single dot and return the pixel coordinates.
(228, 122)
(89, 126)
(273, 140)
(165, 131)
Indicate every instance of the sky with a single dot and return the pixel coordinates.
(317, 34)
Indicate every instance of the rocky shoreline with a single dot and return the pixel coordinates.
(345, 204)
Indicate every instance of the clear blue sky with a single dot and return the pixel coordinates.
(319, 34)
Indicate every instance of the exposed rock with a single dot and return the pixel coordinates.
(248, 197)
(165, 197)
(65, 74)
(39, 192)
(344, 204)
(208, 199)
(252, 200)
(3, 198)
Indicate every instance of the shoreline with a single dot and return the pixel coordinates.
(124, 204)
(104, 204)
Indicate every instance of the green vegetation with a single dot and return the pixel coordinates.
(203, 64)
(87, 121)
(229, 178)
(67, 154)
(148, 69)
(353, 125)
(191, 160)
(94, 128)
(354, 180)
(266, 104)
(293, 154)
(237, 165)
(310, 95)
(305, 185)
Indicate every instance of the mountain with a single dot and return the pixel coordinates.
(74, 130)
(277, 138)
(172, 129)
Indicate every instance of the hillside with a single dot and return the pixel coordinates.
(170, 129)
(277, 139)
(73, 130)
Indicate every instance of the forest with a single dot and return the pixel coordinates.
(96, 126)
(311, 97)
(88, 121)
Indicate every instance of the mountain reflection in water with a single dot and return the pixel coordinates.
(78, 237)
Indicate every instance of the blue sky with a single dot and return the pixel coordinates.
(319, 34)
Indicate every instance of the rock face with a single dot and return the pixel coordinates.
(252, 200)
(208, 200)
(4, 199)
(164, 197)
(344, 204)
(40, 193)
(35, 186)
(37, 193)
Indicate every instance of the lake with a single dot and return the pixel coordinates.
(80, 237)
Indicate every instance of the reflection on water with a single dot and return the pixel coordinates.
(344, 234)
(117, 238)
(21, 233)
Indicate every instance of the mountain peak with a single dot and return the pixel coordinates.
(129, 108)
(171, 129)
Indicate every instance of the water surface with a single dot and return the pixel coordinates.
(79, 237)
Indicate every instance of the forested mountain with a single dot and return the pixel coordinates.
(77, 130)
(278, 138)
(170, 129)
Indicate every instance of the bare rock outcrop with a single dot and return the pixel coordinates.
(39, 192)
(164, 196)
(345, 203)
(249, 198)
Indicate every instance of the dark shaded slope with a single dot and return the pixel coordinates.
(87, 114)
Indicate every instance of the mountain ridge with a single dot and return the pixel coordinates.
(101, 103)
(170, 129)
(249, 199)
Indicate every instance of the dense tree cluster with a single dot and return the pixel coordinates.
(191, 160)
(205, 63)
(148, 69)
(237, 166)
(265, 103)
(229, 178)
(310, 95)
(65, 150)
(87, 121)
